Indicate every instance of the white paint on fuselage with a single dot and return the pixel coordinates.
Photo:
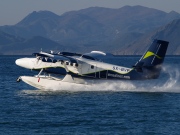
(85, 66)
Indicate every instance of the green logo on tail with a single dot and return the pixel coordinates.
(148, 54)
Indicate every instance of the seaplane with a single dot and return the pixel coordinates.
(67, 68)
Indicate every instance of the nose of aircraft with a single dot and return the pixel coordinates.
(25, 62)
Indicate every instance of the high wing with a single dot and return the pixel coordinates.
(47, 57)
(71, 57)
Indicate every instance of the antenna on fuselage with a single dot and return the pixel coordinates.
(51, 51)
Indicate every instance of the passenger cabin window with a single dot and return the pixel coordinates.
(76, 65)
(92, 67)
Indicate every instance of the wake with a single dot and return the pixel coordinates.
(167, 82)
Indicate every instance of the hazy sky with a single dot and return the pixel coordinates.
(13, 11)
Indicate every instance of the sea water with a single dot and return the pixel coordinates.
(109, 107)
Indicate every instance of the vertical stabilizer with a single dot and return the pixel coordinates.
(152, 60)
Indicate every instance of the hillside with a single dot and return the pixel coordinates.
(27, 47)
(120, 31)
(7, 38)
(93, 24)
(169, 32)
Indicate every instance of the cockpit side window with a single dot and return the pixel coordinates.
(88, 57)
(67, 63)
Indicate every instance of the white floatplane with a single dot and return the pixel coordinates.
(79, 69)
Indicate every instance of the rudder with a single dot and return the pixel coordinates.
(151, 61)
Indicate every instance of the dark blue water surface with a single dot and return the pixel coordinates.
(149, 107)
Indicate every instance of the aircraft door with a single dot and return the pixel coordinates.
(101, 73)
(88, 70)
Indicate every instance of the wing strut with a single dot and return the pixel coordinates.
(40, 72)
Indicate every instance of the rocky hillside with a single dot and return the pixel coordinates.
(119, 31)
(169, 32)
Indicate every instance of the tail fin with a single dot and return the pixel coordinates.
(152, 59)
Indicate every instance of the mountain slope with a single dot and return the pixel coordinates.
(130, 18)
(35, 24)
(7, 38)
(169, 32)
(27, 47)
(96, 24)
(126, 30)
